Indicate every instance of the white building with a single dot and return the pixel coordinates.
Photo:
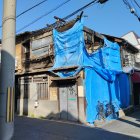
(134, 39)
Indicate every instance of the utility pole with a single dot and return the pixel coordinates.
(7, 71)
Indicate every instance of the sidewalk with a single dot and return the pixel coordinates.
(129, 125)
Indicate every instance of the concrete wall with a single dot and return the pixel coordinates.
(46, 108)
(82, 113)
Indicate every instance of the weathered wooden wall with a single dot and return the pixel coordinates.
(19, 57)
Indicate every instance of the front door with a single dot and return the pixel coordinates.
(63, 102)
(68, 102)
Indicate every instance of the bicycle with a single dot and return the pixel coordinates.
(106, 109)
(100, 111)
(110, 109)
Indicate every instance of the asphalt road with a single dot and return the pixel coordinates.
(36, 129)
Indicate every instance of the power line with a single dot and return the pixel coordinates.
(133, 5)
(27, 10)
(55, 25)
(31, 8)
(65, 18)
(132, 10)
(80, 9)
(51, 11)
(127, 4)
(75, 12)
(137, 3)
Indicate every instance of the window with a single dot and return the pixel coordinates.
(42, 91)
(34, 87)
(41, 87)
(41, 46)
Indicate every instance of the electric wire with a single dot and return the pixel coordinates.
(133, 11)
(133, 5)
(127, 4)
(29, 9)
(65, 18)
(137, 3)
(42, 16)
(80, 9)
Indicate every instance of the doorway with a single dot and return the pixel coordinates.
(68, 101)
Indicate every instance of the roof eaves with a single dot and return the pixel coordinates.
(131, 45)
(135, 49)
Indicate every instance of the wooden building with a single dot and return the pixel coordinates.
(40, 93)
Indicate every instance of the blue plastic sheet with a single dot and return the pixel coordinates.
(97, 89)
(124, 86)
(69, 47)
(104, 80)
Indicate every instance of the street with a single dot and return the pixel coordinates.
(127, 128)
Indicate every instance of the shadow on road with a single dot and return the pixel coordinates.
(132, 119)
(36, 129)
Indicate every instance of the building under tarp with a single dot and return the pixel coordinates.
(106, 87)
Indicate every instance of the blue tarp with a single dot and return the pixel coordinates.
(104, 80)
(98, 89)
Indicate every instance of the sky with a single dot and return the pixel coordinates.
(112, 18)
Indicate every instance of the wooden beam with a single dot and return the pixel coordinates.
(65, 68)
(67, 78)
